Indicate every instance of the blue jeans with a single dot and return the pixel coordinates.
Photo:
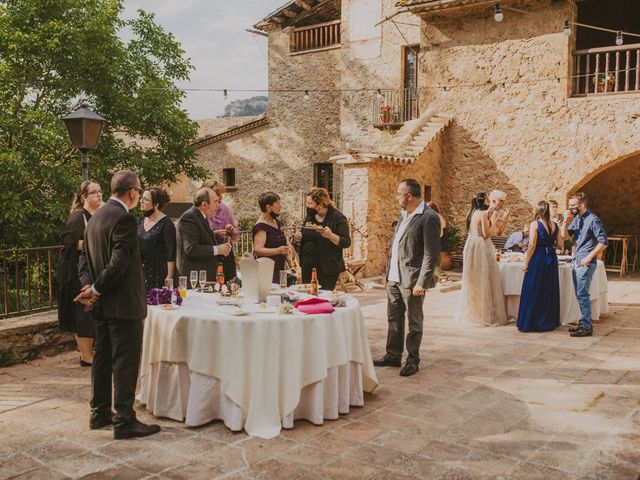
(582, 282)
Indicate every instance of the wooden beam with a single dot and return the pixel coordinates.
(304, 4)
(309, 13)
(290, 14)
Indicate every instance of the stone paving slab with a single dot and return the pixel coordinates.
(488, 403)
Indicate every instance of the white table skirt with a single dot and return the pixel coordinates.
(512, 278)
(261, 362)
(172, 391)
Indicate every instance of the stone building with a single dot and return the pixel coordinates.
(443, 92)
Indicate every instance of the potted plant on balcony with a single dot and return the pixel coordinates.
(604, 82)
(385, 113)
(450, 243)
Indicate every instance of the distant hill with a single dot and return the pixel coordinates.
(246, 107)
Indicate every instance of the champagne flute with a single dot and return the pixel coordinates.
(182, 286)
(168, 283)
(203, 279)
(193, 277)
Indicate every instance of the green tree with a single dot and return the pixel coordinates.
(56, 54)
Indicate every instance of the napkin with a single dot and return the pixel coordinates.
(314, 305)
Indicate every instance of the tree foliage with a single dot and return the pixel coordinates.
(56, 54)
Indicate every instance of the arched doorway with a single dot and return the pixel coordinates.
(614, 194)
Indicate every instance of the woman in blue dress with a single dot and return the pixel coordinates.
(540, 297)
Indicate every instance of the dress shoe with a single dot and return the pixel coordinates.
(85, 364)
(582, 332)
(100, 421)
(409, 369)
(574, 329)
(133, 430)
(388, 361)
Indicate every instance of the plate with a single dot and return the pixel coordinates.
(238, 312)
(304, 287)
(565, 258)
(313, 227)
(168, 306)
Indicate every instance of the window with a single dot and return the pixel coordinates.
(323, 176)
(410, 81)
(427, 193)
(229, 177)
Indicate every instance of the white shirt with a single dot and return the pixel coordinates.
(394, 267)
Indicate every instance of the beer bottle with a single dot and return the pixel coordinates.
(220, 275)
(313, 290)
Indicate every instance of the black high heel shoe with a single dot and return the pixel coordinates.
(84, 364)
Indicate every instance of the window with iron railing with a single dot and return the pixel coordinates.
(392, 108)
(315, 37)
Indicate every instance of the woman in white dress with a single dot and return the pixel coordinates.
(482, 299)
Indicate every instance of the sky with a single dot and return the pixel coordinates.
(212, 33)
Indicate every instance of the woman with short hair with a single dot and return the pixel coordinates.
(268, 238)
(157, 236)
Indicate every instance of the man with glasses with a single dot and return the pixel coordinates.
(414, 256)
(111, 272)
(589, 239)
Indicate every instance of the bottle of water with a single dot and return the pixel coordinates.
(174, 298)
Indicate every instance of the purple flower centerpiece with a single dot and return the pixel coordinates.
(162, 296)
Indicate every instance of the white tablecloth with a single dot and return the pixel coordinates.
(512, 277)
(259, 371)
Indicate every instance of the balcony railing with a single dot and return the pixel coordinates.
(28, 280)
(392, 108)
(607, 70)
(315, 37)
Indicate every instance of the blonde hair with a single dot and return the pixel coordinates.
(497, 195)
(321, 197)
(216, 186)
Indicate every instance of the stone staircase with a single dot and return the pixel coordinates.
(417, 135)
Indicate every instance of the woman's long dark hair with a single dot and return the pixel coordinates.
(543, 212)
(477, 203)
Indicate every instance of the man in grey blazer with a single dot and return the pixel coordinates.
(197, 248)
(412, 261)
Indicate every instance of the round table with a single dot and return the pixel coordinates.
(259, 371)
(512, 277)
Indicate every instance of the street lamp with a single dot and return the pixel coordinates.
(85, 127)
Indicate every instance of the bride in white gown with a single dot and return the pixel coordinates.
(482, 300)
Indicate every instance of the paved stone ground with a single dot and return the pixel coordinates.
(487, 403)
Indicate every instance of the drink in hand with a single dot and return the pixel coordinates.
(220, 275)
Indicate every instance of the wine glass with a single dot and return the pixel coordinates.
(193, 277)
(203, 279)
(182, 286)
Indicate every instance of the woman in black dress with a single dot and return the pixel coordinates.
(71, 315)
(325, 233)
(157, 236)
(268, 238)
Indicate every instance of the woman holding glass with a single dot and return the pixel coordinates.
(225, 227)
(157, 237)
(71, 315)
(325, 234)
(268, 238)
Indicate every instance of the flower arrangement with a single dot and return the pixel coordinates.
(385, 113)
(601, 79)
(162, 296)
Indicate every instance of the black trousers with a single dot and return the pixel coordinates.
(400, 301)
(326, 281)
(118, 346)
(229, 266)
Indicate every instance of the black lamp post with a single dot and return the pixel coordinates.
(85, 127)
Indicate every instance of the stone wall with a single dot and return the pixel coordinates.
(527, 137)
(280, 155)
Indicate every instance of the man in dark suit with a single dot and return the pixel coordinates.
(413, 259)
(111, 272)
(197, 248)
